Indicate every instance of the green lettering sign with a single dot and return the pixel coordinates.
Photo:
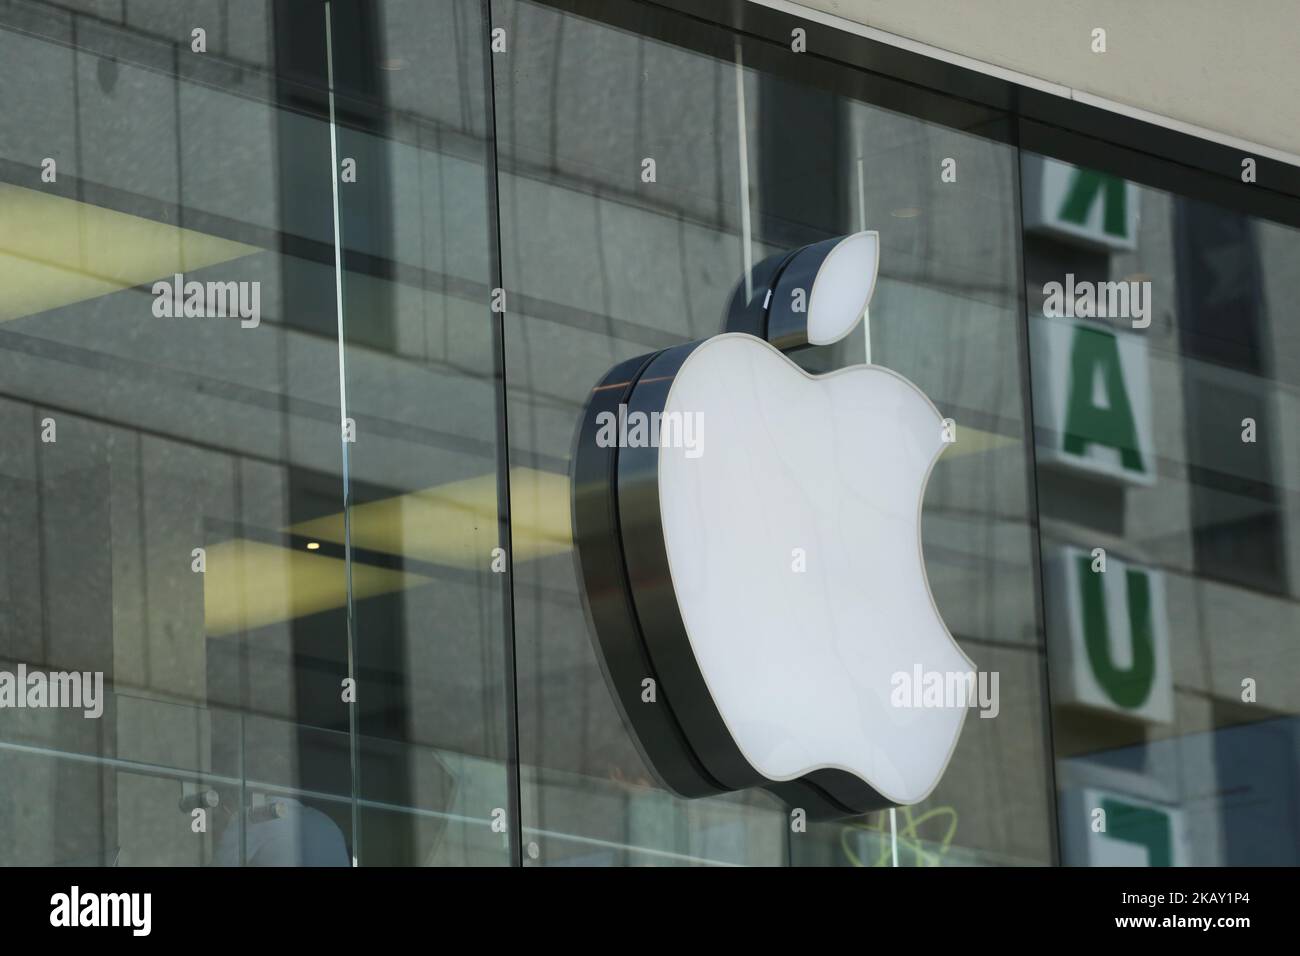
(1130, 687)
(1144, 826)
(1094, 352)
(1082, 193)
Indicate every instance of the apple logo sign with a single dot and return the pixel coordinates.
(751, 597)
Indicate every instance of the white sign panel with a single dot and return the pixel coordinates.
(1079, 205)
(1109, 828)
(1092, 399)
(1110, 632)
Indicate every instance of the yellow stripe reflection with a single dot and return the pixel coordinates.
(972, 440)
(250, 584)
(456, 524)
(56, 251)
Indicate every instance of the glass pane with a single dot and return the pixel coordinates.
(607, 256)
(1165, 379)
(168, 422)
(176, 478)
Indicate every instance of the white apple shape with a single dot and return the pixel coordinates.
(799, 663)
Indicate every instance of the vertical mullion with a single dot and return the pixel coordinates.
(353, 746)
(1031, 487)
(514, 796)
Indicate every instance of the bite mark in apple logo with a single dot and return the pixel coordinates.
(765, 677)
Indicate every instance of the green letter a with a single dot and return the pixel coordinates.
(1096, 352)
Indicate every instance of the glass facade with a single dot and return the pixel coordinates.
(300, 304)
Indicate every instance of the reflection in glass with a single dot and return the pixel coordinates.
(1164, 477)
(176, 512)
(602, 266)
